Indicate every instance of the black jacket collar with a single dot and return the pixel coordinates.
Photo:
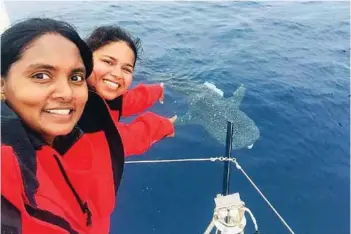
(14, 134)
(25, 142)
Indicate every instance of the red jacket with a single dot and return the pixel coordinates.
(68, 188)
(146, 129)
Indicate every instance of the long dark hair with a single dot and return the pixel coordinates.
(16, 39)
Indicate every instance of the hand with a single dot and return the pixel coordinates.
(162, 94)
(172, 120)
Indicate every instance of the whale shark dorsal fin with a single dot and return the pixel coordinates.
(238, 95)
(213, 88)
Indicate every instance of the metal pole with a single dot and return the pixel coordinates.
(228, 153)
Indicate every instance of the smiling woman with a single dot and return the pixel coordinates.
(115, 53)
(61, 164)
(47, 87)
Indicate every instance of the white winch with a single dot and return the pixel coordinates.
(229, 215)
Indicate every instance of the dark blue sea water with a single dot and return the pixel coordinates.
(293, 58)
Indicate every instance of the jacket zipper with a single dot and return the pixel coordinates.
(83, 205)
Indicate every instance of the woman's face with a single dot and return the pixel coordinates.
(113, 70)
(46, 87)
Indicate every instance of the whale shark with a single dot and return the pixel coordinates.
(208, 107)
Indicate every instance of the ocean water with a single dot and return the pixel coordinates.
(294, 60)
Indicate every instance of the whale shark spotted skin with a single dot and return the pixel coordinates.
(209, 108)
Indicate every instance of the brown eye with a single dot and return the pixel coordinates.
(41, 76)
(128, 70)
(108, 62)
(77, 78)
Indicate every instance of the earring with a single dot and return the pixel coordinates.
(2, 97)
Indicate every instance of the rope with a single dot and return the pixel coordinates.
(174, 160)
(233, 160)
(210, 228)
(252, 218)
(264, 198)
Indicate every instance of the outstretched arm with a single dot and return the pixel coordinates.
(141, 98)
(139, 135)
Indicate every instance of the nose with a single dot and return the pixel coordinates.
(116, 72)
(63, 90)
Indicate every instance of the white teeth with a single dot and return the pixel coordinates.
(59, 111)
(110, 84)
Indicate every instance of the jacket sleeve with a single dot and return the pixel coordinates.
(140, 98)
(11, 190)
(139, 135)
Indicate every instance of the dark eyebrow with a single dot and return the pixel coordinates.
(52, 68)
(129, 65)
(78, 70)
(42, 66)
(112, 58)
(115, 60)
